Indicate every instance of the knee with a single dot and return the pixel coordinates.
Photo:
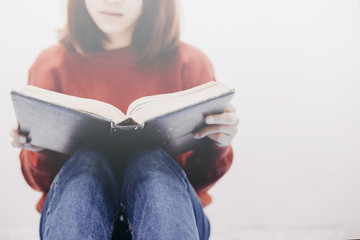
(152, 174)
(147, 157)
(87, 164)
(88, 158)
(152, 162)
(152, 158)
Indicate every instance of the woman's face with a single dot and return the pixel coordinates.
(115, 17)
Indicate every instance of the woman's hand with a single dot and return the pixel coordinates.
(221, 127)
(21, 141)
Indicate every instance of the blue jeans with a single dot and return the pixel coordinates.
(154, 200)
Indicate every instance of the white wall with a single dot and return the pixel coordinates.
(296, 68)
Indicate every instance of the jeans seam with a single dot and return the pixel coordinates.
(48, 210)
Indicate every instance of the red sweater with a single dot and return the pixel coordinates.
(113, 77)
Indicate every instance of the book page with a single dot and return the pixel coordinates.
(154, 106)
(87, 105)
(138, 103)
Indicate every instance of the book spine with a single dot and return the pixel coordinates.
(125, 137)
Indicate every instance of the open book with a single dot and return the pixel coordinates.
(63, 123)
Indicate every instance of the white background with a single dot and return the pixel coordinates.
(296, 68)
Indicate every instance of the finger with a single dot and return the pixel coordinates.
(16, 144)
(27, 146)
(15, 126)
(227, 118)
(230, 108)
(221, 139)
(230, 130)
(18, 137)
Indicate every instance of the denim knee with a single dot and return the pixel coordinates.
(156, 194)
(87, 165)
(87, 158)
(83, 196)
(148, 165)
(152, 159)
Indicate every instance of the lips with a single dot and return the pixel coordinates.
(112, 14)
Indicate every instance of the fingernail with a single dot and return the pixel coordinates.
(196, 135)
(209, 119)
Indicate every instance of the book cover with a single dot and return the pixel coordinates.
(62, 128)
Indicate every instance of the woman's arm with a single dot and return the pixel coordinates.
(212, 159)
(205, 166)
(40, 166)
(39, 170)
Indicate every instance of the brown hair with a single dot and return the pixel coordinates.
(155, 35)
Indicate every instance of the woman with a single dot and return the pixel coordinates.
(117, 51)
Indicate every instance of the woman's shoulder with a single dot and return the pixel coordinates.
(48, 65)
(53, 56)
(196, 66)
(190, 53)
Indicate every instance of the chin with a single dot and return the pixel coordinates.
(113, 30)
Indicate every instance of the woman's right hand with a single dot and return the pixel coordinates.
(21, 141)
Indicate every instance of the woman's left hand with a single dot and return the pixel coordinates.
(221, 127)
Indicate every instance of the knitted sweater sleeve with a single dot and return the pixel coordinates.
(205, 165)
(40, 168)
